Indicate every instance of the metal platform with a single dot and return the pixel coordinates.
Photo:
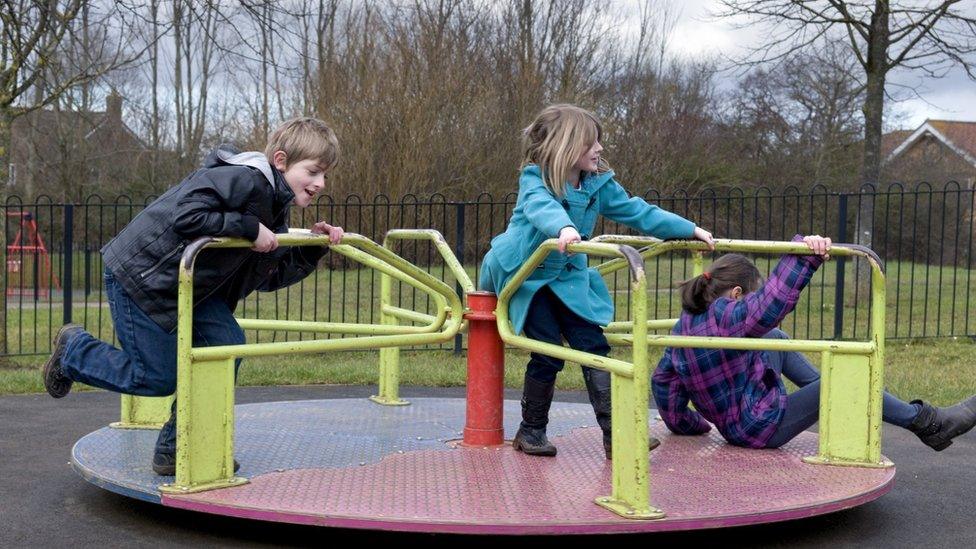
(354, 464)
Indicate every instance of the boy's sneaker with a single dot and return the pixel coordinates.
(56, 383)
(164, 465)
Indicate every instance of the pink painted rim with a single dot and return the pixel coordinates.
(619, 526)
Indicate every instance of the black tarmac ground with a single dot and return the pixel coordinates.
(43, 503)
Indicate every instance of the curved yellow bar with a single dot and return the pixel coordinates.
(205, 376)
(389, 382)
(852, 372)
(630, 383)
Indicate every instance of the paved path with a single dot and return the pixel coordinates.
(44, 503)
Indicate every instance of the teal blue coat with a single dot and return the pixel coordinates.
(540, 215)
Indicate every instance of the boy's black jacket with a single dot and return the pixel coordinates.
(229, 196)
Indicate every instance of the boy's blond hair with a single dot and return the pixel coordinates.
(303, 139)
(557, 138)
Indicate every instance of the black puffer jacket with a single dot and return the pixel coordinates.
(229, 196)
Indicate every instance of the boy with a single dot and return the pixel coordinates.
(235, 194)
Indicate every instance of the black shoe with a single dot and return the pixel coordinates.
(57, 384)
(533, 442)
(598, 388)
(531, 436)
(936, 427)
(652, 443)
(165, 464)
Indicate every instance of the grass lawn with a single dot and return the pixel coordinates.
(941, 372)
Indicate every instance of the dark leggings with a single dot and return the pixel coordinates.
(803, 405)
(550, 320)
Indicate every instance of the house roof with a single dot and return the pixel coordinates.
(963, 134)
(92, 125)
(957, 135)
(891, 140)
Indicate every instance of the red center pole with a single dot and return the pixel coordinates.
(486, 373)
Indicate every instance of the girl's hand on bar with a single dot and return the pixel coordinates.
(568, 235)
(819, 244)
(704, 236)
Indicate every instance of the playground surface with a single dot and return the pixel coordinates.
(44, 502)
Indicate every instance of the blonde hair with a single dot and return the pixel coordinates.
(303, 139)
(558, 137)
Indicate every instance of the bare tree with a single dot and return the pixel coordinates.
(932, 37)
(801, 120)
(154, 86)
(194, 64)
(36, 54)
(32, 50)
(32, 31)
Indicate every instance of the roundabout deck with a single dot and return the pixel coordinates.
(351, 463)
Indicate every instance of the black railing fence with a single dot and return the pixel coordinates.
(924, 234)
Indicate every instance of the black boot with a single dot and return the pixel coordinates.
(164, 465)
(164, 454)
(531, 436)
(57, 384)
(938, 426)
(598, 387)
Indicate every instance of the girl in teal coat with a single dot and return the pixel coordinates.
(564, 185)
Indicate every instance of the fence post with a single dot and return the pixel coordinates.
(839, 284)
(459, 252)
(37, 275)
(68, 247)
(87, 271)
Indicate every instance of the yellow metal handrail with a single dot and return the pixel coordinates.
(205, 376)
(852, 372)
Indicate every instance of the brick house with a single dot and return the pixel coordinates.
(937, 223)
(72, 154)
(938, 151)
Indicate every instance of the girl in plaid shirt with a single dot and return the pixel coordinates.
(741, 392)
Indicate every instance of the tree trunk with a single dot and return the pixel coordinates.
(876, 71)
(206, 47)
(178, 79)
(154, 121)
(86, 86)
(262, 21)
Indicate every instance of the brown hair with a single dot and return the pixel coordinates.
(725, 273)
(303, 139)
(556, 139)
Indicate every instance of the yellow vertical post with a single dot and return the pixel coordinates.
(204, 409)
(878, 304)
(851, 392)
(630, 496)
(697, 263)
(389, 382)
(143, 412)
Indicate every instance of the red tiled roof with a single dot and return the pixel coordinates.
(890, 141)
(961, 134)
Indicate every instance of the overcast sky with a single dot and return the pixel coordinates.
(697, 33)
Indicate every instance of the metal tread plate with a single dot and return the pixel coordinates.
(351, 463)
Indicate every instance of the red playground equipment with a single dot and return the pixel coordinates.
(28, 262)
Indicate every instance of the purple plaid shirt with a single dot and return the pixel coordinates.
(732, 389)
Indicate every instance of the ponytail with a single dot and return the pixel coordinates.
(727, 272)
(693, 295)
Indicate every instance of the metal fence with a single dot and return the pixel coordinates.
(924, 233)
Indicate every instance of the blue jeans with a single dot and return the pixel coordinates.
(550, 320)
(146, 363)
(803, 405)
